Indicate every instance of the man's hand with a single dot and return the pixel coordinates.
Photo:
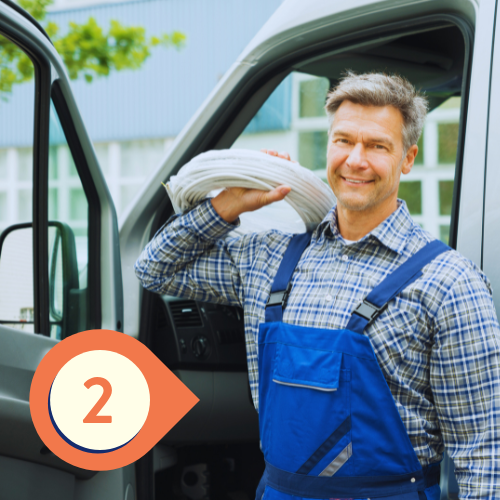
(232, 202)
(272, 152)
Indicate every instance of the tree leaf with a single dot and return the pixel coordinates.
(86, 49)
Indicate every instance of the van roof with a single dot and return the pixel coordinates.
(298, 22)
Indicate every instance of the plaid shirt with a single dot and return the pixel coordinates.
(438, 342)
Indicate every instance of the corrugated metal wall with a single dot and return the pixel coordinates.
(158, 99)
(16, 116)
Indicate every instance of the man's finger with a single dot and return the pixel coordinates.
(276, 194)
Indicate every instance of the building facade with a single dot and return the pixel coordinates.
(134, 116)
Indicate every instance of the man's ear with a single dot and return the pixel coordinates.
(409, 159)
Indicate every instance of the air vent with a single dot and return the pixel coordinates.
(185, 314)
(230, 336)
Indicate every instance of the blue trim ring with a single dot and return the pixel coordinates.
(78, 447)
(350, 487)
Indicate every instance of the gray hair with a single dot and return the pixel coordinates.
(379, 89)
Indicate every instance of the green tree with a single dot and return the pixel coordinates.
(86, 49)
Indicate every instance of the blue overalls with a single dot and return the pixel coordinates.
(329, 425)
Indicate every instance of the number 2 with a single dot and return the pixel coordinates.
(92, 416)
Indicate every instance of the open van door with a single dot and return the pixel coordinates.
(59, 258)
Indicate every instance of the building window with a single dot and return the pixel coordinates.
(138, 158)
(78, 206)
(312, 149)
(312, 97)
(53, 204)
(24, 205)
(25, 164)
(445, 197)
(447, 142)
(411, 192)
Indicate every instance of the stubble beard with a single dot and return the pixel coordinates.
(361, 204)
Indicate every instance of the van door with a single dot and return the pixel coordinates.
(59, 256)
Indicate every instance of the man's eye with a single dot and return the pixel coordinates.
(379, 146)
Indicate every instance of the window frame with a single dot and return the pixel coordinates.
(42, 77)
(45, 92)
(93, 299)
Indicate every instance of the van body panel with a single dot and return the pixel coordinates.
(491, 242)
(470, 219)
(296, 24)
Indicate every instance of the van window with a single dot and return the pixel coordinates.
(16, 195)
(293, 119)
(68, 204)
(427, 190)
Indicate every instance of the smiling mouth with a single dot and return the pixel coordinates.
(356, 181)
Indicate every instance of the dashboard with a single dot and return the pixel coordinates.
(198, 335)
(204, 345)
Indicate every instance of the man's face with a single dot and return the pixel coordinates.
(365, 156)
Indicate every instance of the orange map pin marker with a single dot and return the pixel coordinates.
(101, 400)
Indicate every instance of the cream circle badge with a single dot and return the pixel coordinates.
(99, 401)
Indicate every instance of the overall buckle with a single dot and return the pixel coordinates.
(369, 311)
(279, 298)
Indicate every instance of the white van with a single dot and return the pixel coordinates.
(61, 278)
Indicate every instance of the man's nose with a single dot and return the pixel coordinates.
(357, 157)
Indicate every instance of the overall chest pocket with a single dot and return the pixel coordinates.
(309, 399)
(307, 368)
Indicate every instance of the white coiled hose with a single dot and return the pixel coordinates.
(310, 197)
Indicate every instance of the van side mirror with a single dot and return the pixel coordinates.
(16, 288)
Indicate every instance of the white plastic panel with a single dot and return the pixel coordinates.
(470, 222)
(491, 243)
(22, 480)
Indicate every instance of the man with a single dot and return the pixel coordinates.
(436, 337)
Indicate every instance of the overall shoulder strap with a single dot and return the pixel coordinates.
(282, 280)
(377, 300)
